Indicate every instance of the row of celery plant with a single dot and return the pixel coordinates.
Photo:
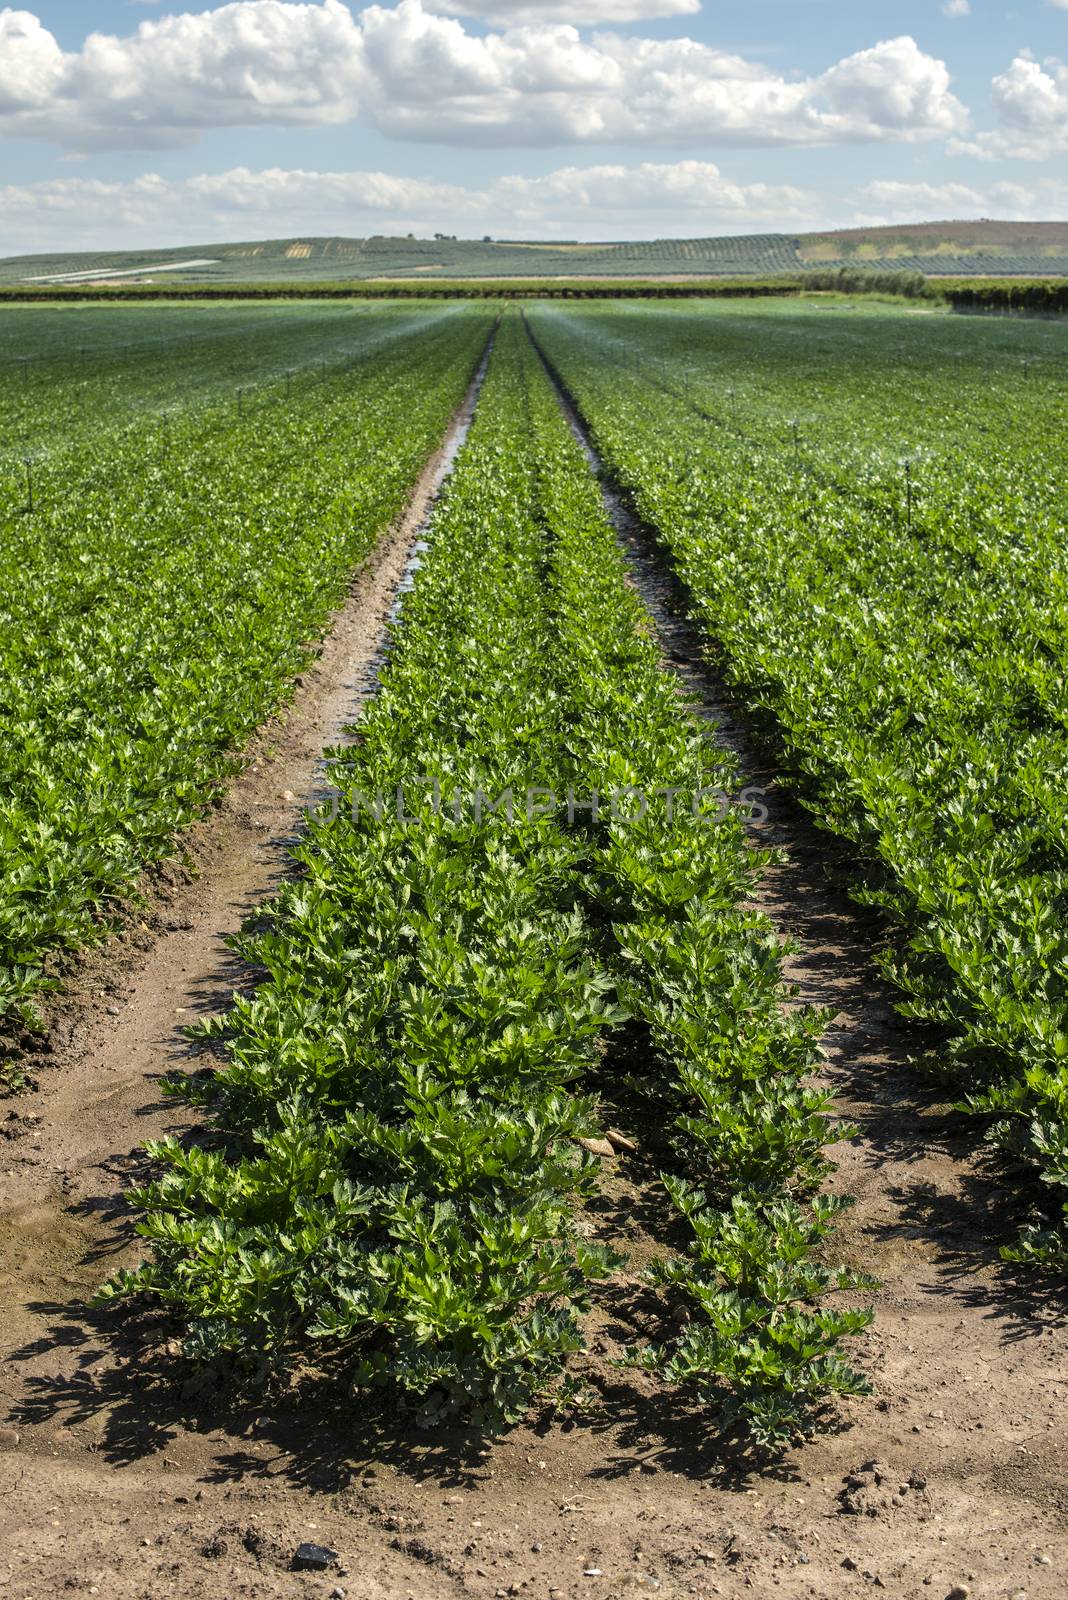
(399, 1170)
(913, 657)
(399, 1111)
(156, 603)
(94, 371)
(702, 972)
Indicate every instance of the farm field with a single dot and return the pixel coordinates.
(605, 1118)
(181, 510)
(881, 568)
(940, 248)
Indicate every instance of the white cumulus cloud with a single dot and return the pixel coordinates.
(645, 200)
(893, 87)
(417, 75)
(254, 61)
(1031, 103)
(1033, 98)
(507, 13)
(892, 201)
(31, 63)
(549, 85)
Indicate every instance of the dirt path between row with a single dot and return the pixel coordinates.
(123, 1483)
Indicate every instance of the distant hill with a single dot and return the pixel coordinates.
(985, 249)
(993, 243)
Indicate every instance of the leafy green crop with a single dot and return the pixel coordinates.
(703, 974)
(404, 1088)
(184, 546)
(394, 1162)
(870, 518)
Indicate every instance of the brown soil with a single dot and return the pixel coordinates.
(128, 1480)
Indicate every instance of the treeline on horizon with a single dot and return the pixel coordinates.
(428, 289)
(1034, 295)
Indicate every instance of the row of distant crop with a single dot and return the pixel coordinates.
(759, 256)
(318, 260)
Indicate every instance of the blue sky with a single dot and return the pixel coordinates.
(128, 122)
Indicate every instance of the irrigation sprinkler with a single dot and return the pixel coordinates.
(796, 427)
(733, 406)
(908, 492)
(27, 462)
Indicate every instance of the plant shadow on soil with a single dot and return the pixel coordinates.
(138, 1400)
(127, 1384)
(322, 1438)
(138, 1397)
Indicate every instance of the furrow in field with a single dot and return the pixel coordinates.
(731, 1057)
(398, 1101)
